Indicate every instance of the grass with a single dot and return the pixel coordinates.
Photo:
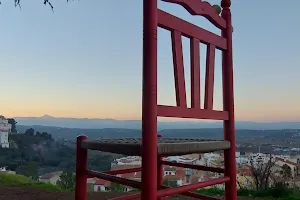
(13, 180)
(279, 191)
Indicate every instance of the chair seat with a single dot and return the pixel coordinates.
(165, 146)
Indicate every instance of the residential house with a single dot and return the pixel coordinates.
(3, 170)
(52, 177)
(90, 183)
(245, 178)
(204, 176)
(295, 167)
(101, 185)
(169, 171)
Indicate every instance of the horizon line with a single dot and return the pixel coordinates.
(139, 119)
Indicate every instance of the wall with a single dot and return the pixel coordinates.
(4, 139)
(99, 188)
(53, 180)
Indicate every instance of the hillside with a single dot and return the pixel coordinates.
(214, 133)
(13, 180)
(34, 153)
(97, 123)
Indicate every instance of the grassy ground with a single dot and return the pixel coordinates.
(12, 180)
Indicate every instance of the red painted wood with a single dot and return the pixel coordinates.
(195, 73)
(228, 104)
(81, 167)
(209, 77)
(189, 194)
(170, 22)
(124, 171)
(149, 101)
(174, 111)
(201, 8)
(178, 69)
(196, 195)
(115, 179)
(191, 166)
(185, 188)
(151, 165)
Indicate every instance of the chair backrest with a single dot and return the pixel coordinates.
(178, 28)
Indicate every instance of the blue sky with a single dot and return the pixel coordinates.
(84, 59)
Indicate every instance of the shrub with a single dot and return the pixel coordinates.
(210, 191)
(280, 190)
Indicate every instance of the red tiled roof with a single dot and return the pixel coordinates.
(245, 172)
(118, 167)
(288, 162)
(194, 178)
(173, 177)
(50, 175)
(167, 168)
(102, 182)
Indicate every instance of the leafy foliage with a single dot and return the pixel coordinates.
(170, 183)
(286, 171)
(67, 180)
(115, 187)
(13, 125)
(279, 191)
(34, 153)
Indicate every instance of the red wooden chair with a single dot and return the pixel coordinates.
(153, 148)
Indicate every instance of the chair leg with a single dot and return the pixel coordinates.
(81, 167)
(230, 171)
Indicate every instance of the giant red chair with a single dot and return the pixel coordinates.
(153, 148)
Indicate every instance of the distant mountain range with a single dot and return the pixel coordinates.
(85, 123)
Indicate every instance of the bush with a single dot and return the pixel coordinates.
(210, 191)
(245, 192)
(11, 180)
(280, 190)
(291, 197)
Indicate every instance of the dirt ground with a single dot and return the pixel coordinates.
(37, 194)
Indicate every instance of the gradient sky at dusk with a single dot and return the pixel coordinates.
(85, 59)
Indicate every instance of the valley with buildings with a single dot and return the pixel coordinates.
(47, 155)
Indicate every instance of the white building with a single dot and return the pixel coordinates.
(3, 170)
(129, 160)
(181, 159)
(5, 128)
(52, 177)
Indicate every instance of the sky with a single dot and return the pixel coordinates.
(85, 59)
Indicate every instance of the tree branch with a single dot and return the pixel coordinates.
(46, 2)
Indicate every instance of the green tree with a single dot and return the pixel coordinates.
(115, 187)
(13, 125)
(29, 132)
(29, 170)
(286, 172)
(38, 134)
(170, 183)
(67, 180)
